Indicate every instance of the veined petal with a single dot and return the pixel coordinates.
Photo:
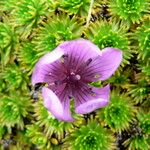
(110, 59)
(100, 100)
(59, 108)
(103, 66)
(43, 66)
(81, 47)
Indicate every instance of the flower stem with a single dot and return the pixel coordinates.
(89, 13)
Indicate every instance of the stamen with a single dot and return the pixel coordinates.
(46, 84)
(88, 61)
(58, 82)
(62, 59)
(91, 92)
(65, 56)
(72, 73)
(97, 76)
(70, 97)
(51, 84)
(78, 77)
(38, 86)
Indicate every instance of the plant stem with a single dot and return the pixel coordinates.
(89, 13)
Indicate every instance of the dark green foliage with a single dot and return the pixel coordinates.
(144, 122)
(2, 131)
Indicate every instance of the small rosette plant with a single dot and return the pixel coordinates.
(91, 136)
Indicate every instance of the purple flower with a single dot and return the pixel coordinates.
(68, 72)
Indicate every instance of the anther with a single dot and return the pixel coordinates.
(88, 61)
(57, 82)
(97, 76)
(62, 59)
(65, 56)
(91, 92)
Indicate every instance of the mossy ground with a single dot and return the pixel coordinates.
(31, 28)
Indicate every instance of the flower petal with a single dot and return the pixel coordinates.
(102, 67)
(79, 51)
(94, 102)
(60, 109)
(81, 47)
(111, 59)
(43, 66)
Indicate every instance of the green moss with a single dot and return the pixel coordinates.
(91, 136)
(119, 113)
(79, 7)
(31, 28)
(2, 131)
(138, 142)
(121, 78)
(110, 34)
(15, 78)
(13, 109)
(129, 10)
(28, 14)
(142, 35)
(8, 39)
(7, 5)
(139, 91)
(57, 30)
(144, 122)
(51, 124)
(27, 55)
(37, 137)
